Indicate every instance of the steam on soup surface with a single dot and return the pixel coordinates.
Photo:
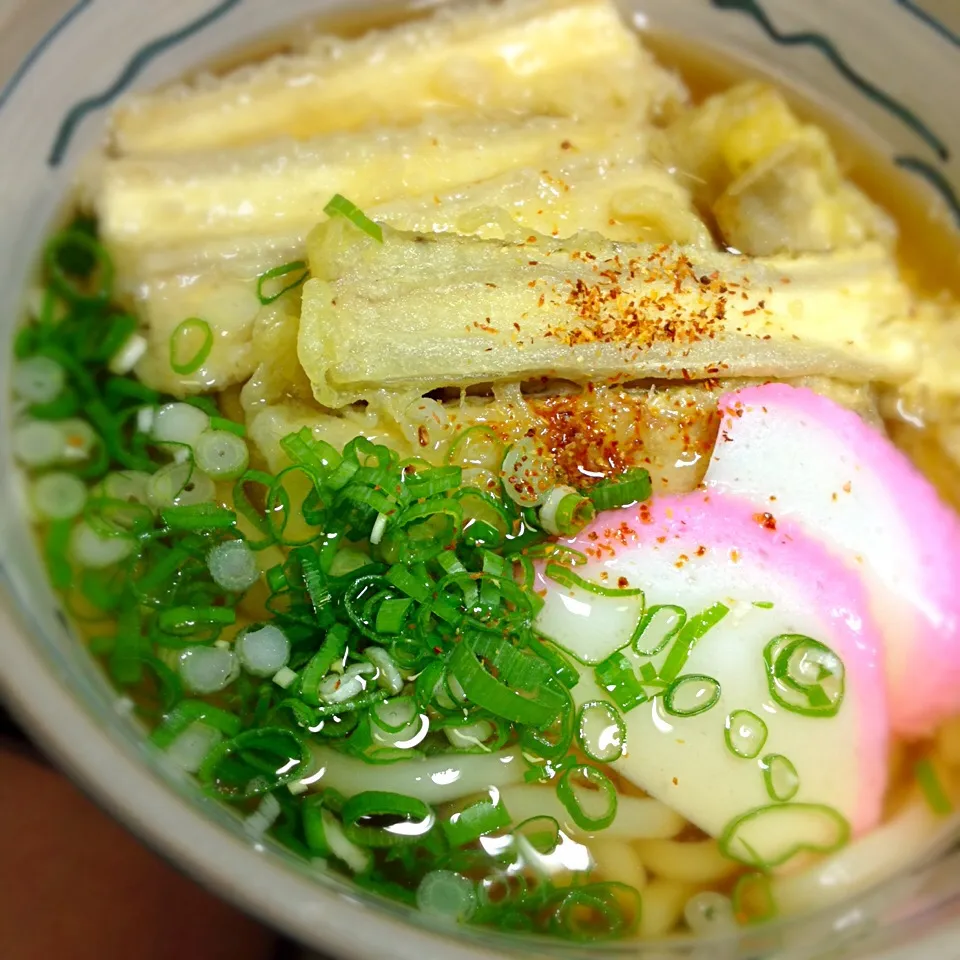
(476, 457)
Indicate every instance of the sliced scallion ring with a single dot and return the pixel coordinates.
(38, 380)
(341, 206)
(66, 251)
(38, 443)
(412, 819)
(179, 484)
(589, 796)
(58, 496)
(447, 895)
(528, 472)
(263, 650)
(709, 913)
(475, 821)
(631, 487)
(691, 695)
(804, 675)
(233, 566)
(127, 485)
(779, 777)
(208, 669)
(297, 267)
(221, 454)
(601, 732)
(565, 512)
(745, 734)
(190, 345)
(479, 447)
(179, 423)
(658, 626)
(88, 548)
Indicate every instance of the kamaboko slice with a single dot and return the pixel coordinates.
(800, 457)
(752, 686)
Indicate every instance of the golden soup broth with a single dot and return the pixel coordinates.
(666, 872)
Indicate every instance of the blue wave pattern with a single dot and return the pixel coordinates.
(922, 168)
(129, 73)
(927, 171)
(930, 20)
(935, 178)
(39, 50)
(829, 50)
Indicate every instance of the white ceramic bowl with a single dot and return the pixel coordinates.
(891, 68)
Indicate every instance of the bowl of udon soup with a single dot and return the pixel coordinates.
(483, 478)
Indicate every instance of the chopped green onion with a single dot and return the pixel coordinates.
(538, 708)
(38, 379)
(263, 818)
(178, 485)
(617, 676)
(231, 426)
(263, 650)
(58, 496)
(804, 675)
(589, 797)
(233, 566)
(190, 345)
(392, 615)
(332, 651)
(193, 745)
(198, 516)
(467, 825)
(448, 895)
(633, 486)
(282, 271)
(208, 669)
(64, 253)
(601, 732)
(128, 354)
(658, 626)
(932, 788)
(779, 777)
(38, 443)
(596, 912)
(470, 737)
(179, 423)
(767, 837)
(691, 695)
(182, 621)
(342, 688)
(433, 482)
(479, 447)
(389, 676)
(567, 578)
(527, 472)
(393, 716)
(341, 206)
(745, 734)
(255, 762)
(91, 549)
(694, 630)
(355, 857)
(709, 914)
(753, 899)
(412, 819)
(188, 712)
(565, 512)
(221, 454)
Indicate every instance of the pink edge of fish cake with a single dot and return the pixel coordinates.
(732, 527)
(927, 688)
